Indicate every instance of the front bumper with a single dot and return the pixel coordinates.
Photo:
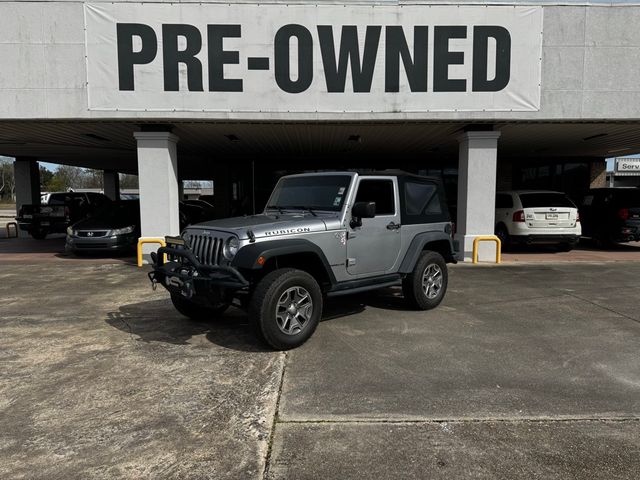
(183, 274)
(118, 243)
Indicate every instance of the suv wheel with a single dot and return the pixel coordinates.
(424, 288)
(503, 234)
(195, 311)
(286, 307)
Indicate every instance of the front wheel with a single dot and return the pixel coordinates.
(195, 311)
(286, 307)
(425, 286)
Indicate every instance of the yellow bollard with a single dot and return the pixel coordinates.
(487, 238)
(15, 227)
(142, 241)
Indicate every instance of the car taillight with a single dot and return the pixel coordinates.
(623, 214)
(577, 217)
(66, 212)
(518, 216)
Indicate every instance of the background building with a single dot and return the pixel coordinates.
(509, 95)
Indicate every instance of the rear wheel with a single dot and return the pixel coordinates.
(425, 287)
(503, 234)
(195, 311)
(286, 307)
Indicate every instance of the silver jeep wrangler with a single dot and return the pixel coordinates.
(320, 235)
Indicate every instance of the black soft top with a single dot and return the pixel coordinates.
(420, 202)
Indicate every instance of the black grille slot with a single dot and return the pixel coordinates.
(206, 248)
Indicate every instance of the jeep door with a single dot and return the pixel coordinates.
(373, 248)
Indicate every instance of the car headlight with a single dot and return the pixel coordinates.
(70, 231)
(122, 231)
(231, 248)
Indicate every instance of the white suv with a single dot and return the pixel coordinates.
(537, 217)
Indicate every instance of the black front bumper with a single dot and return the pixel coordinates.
(183, 274)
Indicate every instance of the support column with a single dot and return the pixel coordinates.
(477, 164)
(158, 183)
(27, 180)
(111, 184)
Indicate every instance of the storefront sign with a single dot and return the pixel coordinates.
(312, 58)
(629, 166)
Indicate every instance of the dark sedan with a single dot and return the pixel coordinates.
(611, 215)
(114, 228)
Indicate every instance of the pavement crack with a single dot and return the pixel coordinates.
(427, 421)
(611, 310)
(276, 420)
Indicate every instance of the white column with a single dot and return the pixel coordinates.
(27, 178)
(477, 164)
(158, 183)
(111, 184)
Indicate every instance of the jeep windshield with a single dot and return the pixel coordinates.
(314, 192)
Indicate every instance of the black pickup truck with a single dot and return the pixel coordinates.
(57, 211)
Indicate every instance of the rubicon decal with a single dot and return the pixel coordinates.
(287, 231)
(276, 58)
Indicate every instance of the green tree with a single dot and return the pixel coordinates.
(46, 176)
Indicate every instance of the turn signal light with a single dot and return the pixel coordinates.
(518, 216)
(623, 214)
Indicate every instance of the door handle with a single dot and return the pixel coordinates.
(393, 226)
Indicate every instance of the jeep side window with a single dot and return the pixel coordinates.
(379, 191)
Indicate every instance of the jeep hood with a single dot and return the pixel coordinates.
(266, 225)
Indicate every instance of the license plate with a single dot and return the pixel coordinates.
(552, 216)
(46, 224)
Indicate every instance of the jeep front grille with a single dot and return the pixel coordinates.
(206, 248)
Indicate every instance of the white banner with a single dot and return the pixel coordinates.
(308, 58)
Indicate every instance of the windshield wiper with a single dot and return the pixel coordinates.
(300, 207)
(275, 207)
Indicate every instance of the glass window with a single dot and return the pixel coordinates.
(318, 192)
(504, 200)
(545, 199)
(421, 198)
(379, 191)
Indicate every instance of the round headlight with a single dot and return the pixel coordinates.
(231, 248)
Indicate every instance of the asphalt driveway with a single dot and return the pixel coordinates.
(527, 371)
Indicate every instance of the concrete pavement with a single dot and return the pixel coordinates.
(524, 372)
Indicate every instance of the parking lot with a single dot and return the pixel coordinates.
(528, 371)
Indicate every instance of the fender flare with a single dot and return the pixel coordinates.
(247, 257)
(417, 246)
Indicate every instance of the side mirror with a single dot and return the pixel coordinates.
(362, 210)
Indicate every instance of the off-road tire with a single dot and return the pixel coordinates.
(195, 311)
(412, 285)
(264, 302)
(39, 234)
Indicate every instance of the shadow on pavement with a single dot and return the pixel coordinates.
(158, 321)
